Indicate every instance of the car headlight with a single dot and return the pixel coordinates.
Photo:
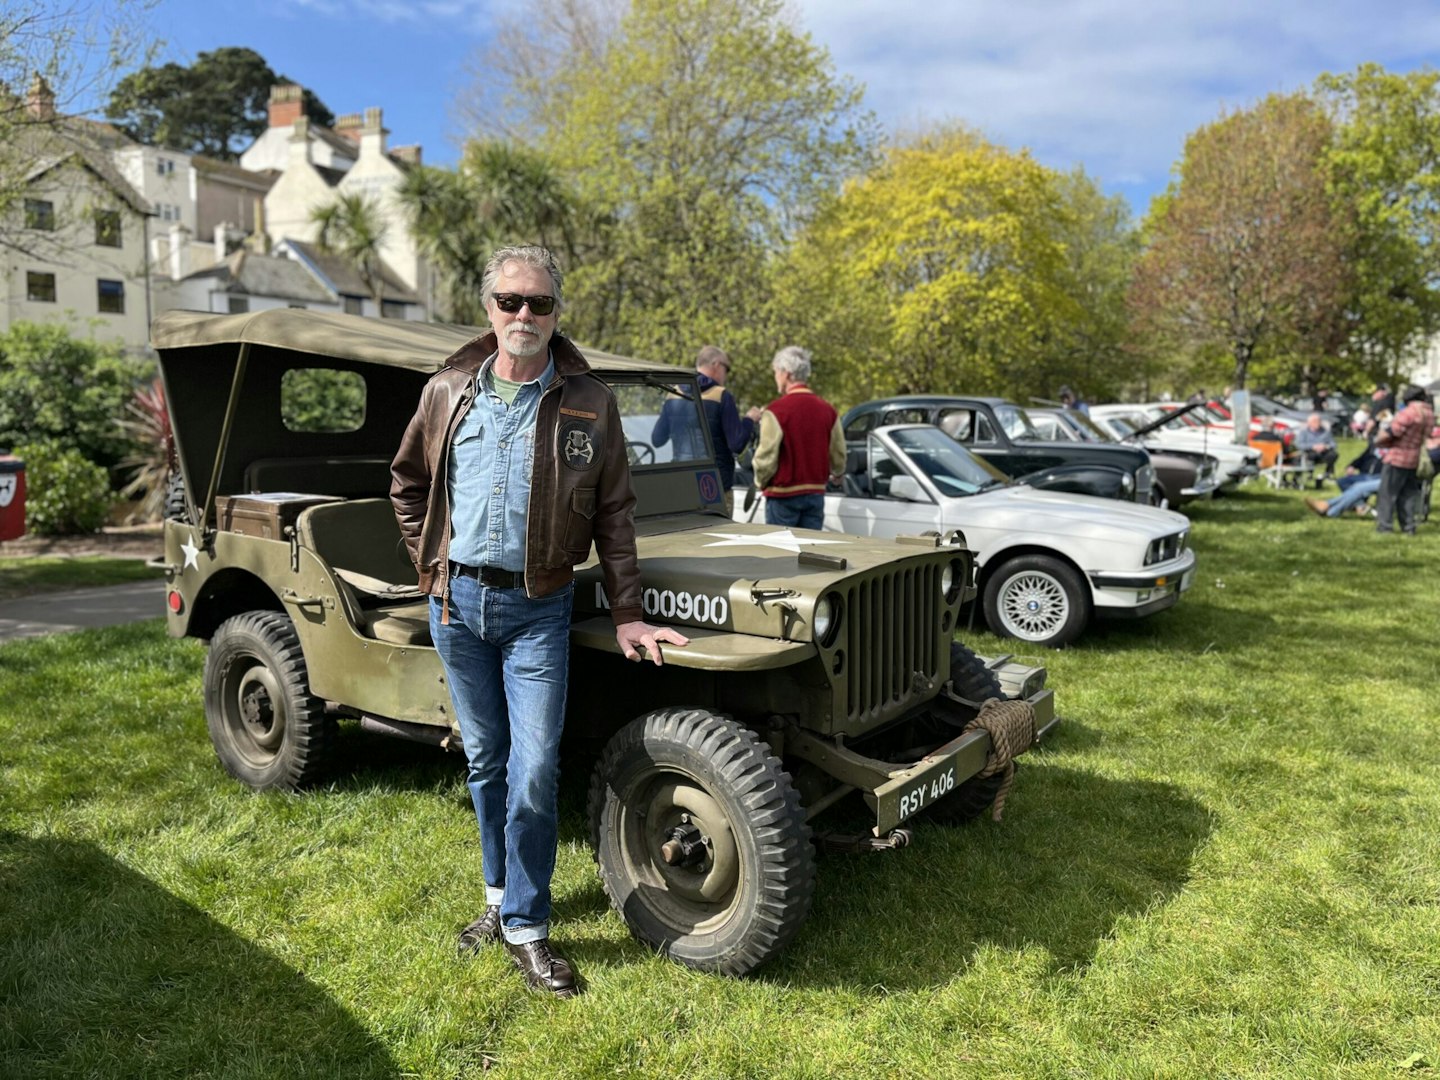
(827, 618)
(951, 578)
(1127, 484)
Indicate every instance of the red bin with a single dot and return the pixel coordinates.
(12, 497)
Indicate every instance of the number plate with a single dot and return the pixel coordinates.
(931, 780)
(1187, 579)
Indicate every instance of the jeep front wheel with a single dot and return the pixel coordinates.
(269, 731)
(700, 840)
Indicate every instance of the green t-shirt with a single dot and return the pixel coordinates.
(504, 389)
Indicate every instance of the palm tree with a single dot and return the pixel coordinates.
(353, 228)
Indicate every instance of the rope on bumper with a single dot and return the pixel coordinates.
(1011, 725)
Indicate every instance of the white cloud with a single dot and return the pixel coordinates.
(1114, 85)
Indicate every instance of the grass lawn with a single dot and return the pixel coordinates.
(1226, 863)
(29, 574)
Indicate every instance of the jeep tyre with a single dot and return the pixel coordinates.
(269, 731)
(970, 678)
(700, 840)
(175, 509)
(1037, 598)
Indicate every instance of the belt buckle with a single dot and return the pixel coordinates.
(495, 578)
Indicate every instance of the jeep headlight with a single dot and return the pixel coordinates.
(951, 579)
(827, 618)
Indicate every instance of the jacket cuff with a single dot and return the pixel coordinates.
(621, 615)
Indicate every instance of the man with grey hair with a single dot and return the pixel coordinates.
(513, 464)
(729, 431)
(801, 446)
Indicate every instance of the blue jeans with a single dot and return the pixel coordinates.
(799, 511)
(506, 658)
(1357, 491)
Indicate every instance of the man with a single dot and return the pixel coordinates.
(1314, 441)
(513, 463)
(1068, 400)
(1405, 442)
(729, 431)
(801, 446)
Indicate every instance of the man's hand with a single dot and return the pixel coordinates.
(631, 634)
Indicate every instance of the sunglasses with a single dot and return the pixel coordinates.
(511, 302)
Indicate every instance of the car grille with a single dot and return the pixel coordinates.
(892, 640)
(1166, 548)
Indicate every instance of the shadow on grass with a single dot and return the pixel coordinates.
(1075, 855)
(104, 973)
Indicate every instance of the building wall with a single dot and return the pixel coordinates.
(208, 295)
(221, 200)
(165, 179)
(298, 191)
(378, 179)
(1427, 364)
(272, 151)
(78, 263)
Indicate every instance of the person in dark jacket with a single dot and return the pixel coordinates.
(729, 431)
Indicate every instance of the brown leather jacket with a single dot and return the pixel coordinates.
(579, 489)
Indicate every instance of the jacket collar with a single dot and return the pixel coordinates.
(471, 356)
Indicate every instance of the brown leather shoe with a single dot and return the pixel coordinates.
(544, 969)
(1318, 505)
(483, 931)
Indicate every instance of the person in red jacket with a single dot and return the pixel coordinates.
(1399, 487)
(801, 446)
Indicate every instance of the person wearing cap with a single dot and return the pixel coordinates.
(729, 431)
(1405, 442)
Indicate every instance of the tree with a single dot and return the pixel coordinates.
(1246, 252)
(52, 59)
(209, 107)
(500, 194)
(943, 269)
(1385, 164)
(354, 228)
(698, 141)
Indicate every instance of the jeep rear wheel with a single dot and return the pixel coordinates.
(1038, 599)
(269, 731)
(700, 840)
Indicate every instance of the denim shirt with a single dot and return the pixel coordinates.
(489, 474)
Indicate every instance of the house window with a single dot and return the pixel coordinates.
(164, 166)
(40, 214)
(107, 228)
(40, 287)
(239, 305)
(392, 309)
(111, 297)
(354, 305)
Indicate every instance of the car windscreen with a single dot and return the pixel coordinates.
(952, 468)
(1015, 423)
(1088, 429)
(662, 420)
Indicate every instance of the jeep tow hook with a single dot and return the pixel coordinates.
(855, 843)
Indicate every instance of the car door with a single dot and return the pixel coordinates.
(866, 507)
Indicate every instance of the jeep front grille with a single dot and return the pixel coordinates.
(893, 641)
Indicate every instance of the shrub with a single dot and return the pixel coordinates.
(64, 493)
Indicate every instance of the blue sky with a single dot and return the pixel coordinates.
(1113, 85)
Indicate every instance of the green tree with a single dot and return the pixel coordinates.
(943, 269)
(1385, 164)
(354, 228)
(1245, 254)
(700, 139)
(214, 106)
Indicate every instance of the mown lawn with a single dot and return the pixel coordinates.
(27, 575)
(1226, 863)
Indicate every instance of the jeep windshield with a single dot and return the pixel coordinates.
(952, 468)
(662, 420)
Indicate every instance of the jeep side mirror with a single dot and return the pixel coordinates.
(906, 489)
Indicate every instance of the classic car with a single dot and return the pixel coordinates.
(1171, 426)
(1181, 475)
(1000, 432)
(1048, 561)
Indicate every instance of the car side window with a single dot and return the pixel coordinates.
(882, 470)
(906, 416)
(860, 425)
(959, 424)
(984, 432)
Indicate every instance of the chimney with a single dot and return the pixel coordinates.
(287, 104)
(40, 102)
(372, 135)
(300, 140)
(407, 155)
(348, 126)
(179, 251)
(222, 241)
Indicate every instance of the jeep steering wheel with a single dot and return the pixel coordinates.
(639, 453)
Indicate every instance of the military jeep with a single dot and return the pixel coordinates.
(820, 670)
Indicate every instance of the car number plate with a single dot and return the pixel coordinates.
(907, 796)
(1187, 579)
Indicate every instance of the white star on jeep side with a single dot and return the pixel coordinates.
(784, 540)
(192, 554)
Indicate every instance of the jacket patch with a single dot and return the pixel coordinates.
(580, 413)
(580, 446)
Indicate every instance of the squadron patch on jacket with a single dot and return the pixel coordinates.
(580, 445)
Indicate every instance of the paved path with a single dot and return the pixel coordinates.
(81, 609)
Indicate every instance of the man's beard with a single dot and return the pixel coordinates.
(523, 346)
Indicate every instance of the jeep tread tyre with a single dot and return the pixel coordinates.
(1037, 598)
(970, 678)
(269, 731)
(731, 901)
(175, 509)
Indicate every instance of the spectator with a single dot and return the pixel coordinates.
(1381, 399)
(1069, 400)
(1360, 422)
(1405, 439)
(729, 431)
(1315, 441)
(801, 446)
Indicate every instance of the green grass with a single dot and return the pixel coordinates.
(30, 574)
(1226, 863)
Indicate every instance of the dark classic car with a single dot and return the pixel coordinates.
(1180, 475)
(1000, 432)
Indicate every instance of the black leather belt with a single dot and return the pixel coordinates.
(490, 576)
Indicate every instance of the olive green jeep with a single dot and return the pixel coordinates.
(821, 668)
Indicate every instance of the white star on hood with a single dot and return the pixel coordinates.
(784, 540)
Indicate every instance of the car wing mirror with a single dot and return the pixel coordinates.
(906, 489)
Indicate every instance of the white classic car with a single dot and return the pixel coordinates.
(1047, 561)
(1154, 426)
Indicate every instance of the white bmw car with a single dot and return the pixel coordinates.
(1047, 561)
